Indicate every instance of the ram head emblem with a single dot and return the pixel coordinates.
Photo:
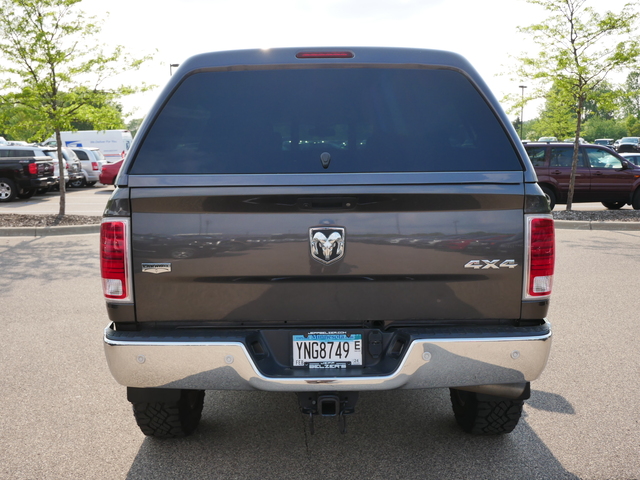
(327, 244)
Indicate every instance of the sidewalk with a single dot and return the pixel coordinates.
(46, 231)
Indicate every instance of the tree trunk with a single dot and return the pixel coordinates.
(576, 153)
(61, 168)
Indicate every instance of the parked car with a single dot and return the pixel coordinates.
(110, 172)
(629, 144)
(602, 175)
(604, 141)
(73, 170)
(92, 161)
(73, 175)
(548, 139)
(572, 140)
(21, 176)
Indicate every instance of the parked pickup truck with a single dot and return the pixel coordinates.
(327, 222)
(22, 176)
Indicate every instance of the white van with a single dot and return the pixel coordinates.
(114, 144)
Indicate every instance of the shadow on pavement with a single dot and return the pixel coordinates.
(46, 261)
(394, 434)
(550, 402)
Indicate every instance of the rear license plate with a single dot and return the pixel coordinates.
(327, 350)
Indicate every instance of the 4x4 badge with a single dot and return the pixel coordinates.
(327, 244)
(490, 264)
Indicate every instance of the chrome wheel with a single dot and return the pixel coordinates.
(7, 190)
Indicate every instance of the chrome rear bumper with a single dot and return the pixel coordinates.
(205, 364)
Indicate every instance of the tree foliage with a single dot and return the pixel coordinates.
(598, 127)
(579, 48)
(54, 72)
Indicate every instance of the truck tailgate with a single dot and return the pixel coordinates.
(412, 254)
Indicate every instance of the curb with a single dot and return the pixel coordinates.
(88, 229)
(46, 231)
(594, 225)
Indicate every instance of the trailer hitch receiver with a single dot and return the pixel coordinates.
(328, 404)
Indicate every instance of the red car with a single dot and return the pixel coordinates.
(110, 172)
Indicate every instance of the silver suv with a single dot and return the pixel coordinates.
(92, 161)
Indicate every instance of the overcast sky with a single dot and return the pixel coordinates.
(484, 31)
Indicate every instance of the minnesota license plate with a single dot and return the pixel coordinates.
(327, 350)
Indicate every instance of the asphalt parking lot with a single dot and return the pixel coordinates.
(79, 201)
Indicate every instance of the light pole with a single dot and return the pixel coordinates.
(171, 68)
(522, 111)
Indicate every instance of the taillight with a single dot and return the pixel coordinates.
(114, 261)
(94, 166)
(540, 256)
(33, 168)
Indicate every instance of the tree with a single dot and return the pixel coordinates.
(134, 125)
(54, 71)
(578, 49)
(598, 127)
(557, 118)
(631, 99)
(16, 121)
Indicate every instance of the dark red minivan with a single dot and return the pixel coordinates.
(602, 175)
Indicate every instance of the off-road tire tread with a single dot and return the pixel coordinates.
(170, 419)
(481, 417)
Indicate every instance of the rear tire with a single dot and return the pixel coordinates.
(636, 200)
(78, 183)
(8, 190)
(28, 193)
(170, 419)
(551, 196)
(485, 415)
(613, 205)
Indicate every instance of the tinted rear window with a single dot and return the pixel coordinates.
(16, 153)
(81, 155)
(537, 155)
(366, 119)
